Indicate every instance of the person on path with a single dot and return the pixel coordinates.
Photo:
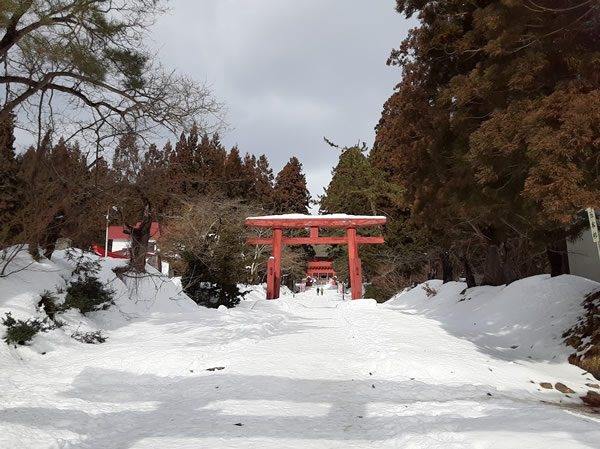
(317, 291)
(322, 291)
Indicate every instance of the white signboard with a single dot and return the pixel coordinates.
(593, 225)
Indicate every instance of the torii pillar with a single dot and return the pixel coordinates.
(280, 222)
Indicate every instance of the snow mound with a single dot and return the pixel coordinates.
(135, 296)
(525, 319)
(20, 291)
(304, 371)
(271, 305)
(358, 304)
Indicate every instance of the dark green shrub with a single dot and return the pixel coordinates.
(84, 264)
(373, 292)
(21, 332)
(48, 303)
(87, 294)
(92, 338)
(213, 295)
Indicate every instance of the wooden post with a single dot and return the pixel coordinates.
(357, 294)
(277, 238)
(355, 273)
(271, 278)
(314, 233)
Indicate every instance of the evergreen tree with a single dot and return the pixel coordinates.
(487, 132)
(57, 195)
(290, 192)
(11, 186)
(359, 188)
(261, 192)
(236, 184)
(185, 165)
(127, 159)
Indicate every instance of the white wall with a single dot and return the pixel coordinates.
(584, 260)
(118, 245)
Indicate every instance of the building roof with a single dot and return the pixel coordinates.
(116, 232)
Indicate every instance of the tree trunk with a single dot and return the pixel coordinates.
(469, 276)
(52, 233)
(447, 274)
(34, 248)
(558, 258)
(432, 268)
(500, 265)
(140, 236)
(493, 273)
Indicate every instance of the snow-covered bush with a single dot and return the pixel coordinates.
(20, 332)
(49, 303)
(429, 291)
(87, 294)
(92, 338)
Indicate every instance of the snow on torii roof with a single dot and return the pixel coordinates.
(325, 221)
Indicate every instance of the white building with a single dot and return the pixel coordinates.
(584, 259)
(119, 241)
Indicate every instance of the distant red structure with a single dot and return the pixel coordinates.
(99, 251)
(280, 222)
(116, 233)
(320, 269)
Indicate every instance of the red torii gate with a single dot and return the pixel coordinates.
(279, 222)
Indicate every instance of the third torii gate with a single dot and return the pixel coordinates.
(280, 222)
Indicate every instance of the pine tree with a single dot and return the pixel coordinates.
(290, 193)
(91, 57)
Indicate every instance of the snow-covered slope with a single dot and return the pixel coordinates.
(524, 320)
(300, 372)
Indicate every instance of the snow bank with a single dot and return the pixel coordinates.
(525, 319)
(358, 304)
(139, 299)
(136, 297)
(20, 292)
(301, 371)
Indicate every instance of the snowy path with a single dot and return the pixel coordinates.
(310, 372)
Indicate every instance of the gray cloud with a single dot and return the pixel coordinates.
(289, 71)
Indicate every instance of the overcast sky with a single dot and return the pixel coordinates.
(289, 71)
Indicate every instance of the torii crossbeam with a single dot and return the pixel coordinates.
(280, 222)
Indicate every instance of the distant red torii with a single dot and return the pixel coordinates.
(280, 222)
